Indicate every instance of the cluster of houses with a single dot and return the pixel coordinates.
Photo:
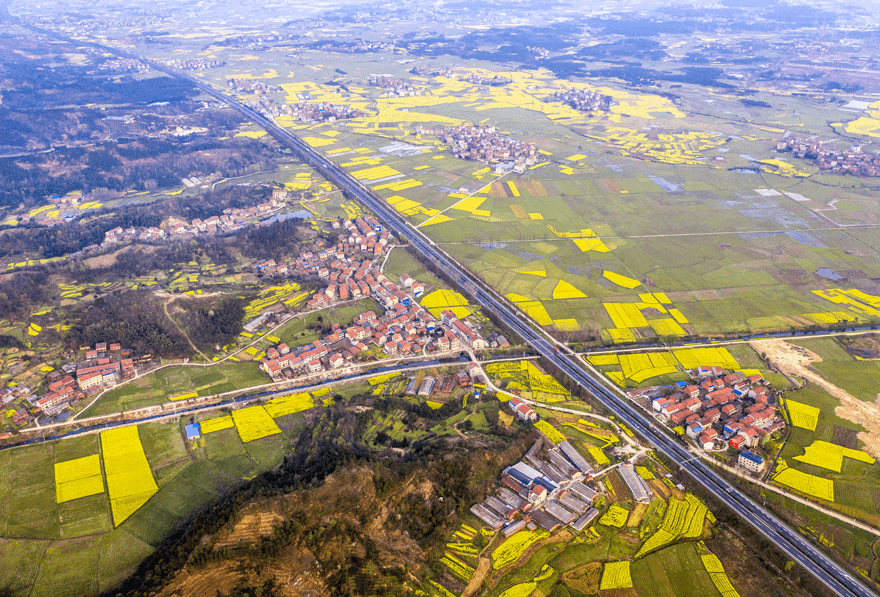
(10, 394)
(547, 489)
(341, 265)
(402, 330)
(353, 47)
(838, 162)
(353, 280)
(421, 71)
(583, 100)
(123, 65)
(231, 219)
(260, 39)
(393, 86)
(405, 327)
(717, 407)
(104, 366)
(304, 111)
(483, 144)
(494, 81)
(198, 64)
(250, 86)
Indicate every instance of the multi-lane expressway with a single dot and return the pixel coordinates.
(780, 534)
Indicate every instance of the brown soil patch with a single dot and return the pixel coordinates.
(249, 529)
(109, 259)
(584, 579)
(635, 517)
(497, 190)
(218, 576)
(796, 360)
(537, 189)
(518, 211)
(611, 185)
(295, 572)
(848, 438)
(620, 593)
(660, 488)
(621, 491)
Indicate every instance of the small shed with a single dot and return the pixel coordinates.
(193, 431)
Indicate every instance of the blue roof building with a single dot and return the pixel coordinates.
(193, 431)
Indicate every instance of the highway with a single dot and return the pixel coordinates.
(780, 534)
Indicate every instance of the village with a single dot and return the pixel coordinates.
(198, 64)
(838, 162)
(232, 219)
(305, 111)
(583, 100)
(483, 144)
(717, 410)
(250, 86)
(494, 81)
(103, 366)
(421, 71)
(353, 47)
(404, 329)
(393, 86)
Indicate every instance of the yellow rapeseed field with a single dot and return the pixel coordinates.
(870, 127)
(514, 546)
(666, 327)
(564, 290)
(818, 487)
(614, 517)
(287, 405)
(641, 366)
(129, 478)
(78, 478)
(218, 424)
(533, 272)
(719, 577)
(252, 134)
(441, 300)
(626, 315)
(802, 415)
(830, 456)
(620, 280)
(547, 429)
(616, 575)
(683, 518)
(521, 590)
(254, 423)
(603, 359)
(598, 455)
(456, 566)
(691, 358)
